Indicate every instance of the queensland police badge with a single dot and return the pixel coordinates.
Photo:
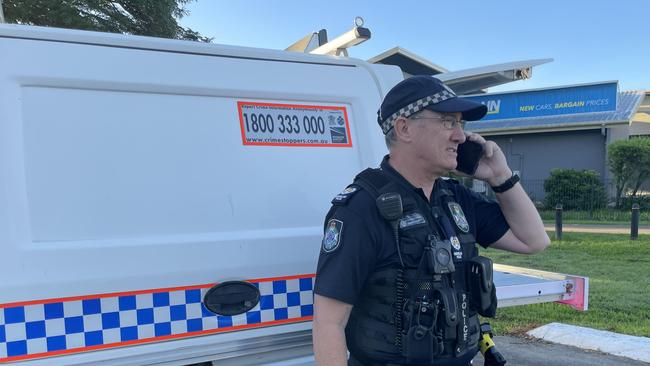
(459, 216)
(332, 237)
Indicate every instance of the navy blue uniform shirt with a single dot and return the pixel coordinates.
(357, 240)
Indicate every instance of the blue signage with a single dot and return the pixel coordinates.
(550, 102)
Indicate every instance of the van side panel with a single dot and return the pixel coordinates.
(127, 191)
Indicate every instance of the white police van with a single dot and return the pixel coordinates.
(138, 173)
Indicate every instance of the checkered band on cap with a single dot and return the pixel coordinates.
(415, 107)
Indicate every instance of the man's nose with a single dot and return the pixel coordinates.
(458, 134)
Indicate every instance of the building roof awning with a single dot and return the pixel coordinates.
(468, 81)
(627, 105)
(409, 62)
(475, 80)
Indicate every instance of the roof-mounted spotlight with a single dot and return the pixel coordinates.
(524, 73)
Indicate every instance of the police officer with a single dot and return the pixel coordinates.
(399, 278)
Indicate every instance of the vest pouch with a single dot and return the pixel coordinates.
(449, 302)
(412, 243)
(491, 311)
(481, 285)
(421, 344)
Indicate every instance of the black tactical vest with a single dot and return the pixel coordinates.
(421, 311)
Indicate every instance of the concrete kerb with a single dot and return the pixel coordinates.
(636, 348)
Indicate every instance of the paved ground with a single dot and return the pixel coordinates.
(528, 352)
(623, 345)
(609, 229)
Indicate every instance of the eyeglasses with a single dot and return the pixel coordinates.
(448, 122)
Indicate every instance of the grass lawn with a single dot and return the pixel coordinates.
(619, 281)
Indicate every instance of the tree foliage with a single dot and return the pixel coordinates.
(575, 190)
(156, 18)
(629, 161)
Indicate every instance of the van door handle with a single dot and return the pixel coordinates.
(231, 298)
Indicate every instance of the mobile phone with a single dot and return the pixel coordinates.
(468, 155)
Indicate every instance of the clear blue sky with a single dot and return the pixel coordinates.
(589, 41)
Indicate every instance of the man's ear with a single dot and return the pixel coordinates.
(403, 130)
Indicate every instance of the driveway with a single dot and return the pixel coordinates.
(531, 352)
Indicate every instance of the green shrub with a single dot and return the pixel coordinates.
(629, 161)
(575, 190)
(643, 201)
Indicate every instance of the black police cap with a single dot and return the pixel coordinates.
(424, 92)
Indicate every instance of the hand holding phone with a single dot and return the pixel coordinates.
(469, 153)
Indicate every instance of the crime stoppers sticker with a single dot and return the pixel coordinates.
(272, 124)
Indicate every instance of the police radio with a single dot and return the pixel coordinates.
(391, 209)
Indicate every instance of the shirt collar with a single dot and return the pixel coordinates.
(386, 167)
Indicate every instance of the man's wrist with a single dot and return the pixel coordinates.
(505, 186)
(500, 179)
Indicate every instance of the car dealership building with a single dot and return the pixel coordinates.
(542, 129)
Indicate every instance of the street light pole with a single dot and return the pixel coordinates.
(2, 16)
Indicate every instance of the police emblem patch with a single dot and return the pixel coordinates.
(342, 198)
(455, 242)
(459, 216)
(332, 237)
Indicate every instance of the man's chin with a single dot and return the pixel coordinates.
(446, 170)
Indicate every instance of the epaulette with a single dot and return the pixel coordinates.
(343, 197)
(445, 183)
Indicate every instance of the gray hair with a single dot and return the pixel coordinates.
(391, 137)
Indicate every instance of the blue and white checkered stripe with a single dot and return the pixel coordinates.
(109, 321)
(417, 106)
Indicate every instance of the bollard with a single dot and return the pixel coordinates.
(558, 221)
(634, 227)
